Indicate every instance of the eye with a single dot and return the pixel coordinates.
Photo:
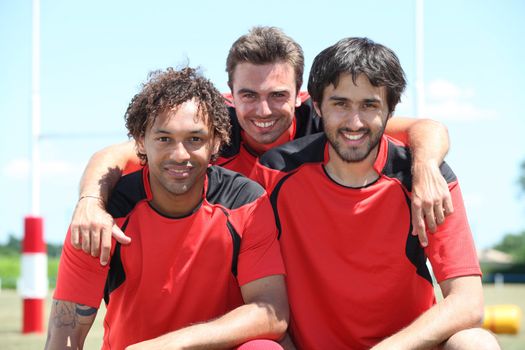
(369, 105)
(279, 95)
(195, 139)
(163, 139)
(248, 96)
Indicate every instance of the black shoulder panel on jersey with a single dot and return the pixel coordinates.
(231, 150)
(290, 156)
(236, 241)
(413, 250)
(307, 120)
(116, 275)
(273, 200)
(399, 166)
(126, 194)
(231, 189)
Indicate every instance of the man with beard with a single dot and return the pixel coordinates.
(204, 270)
(356, 275)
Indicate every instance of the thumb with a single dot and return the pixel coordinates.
(120, 236)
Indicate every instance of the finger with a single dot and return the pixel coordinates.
(86, 241)
(75, 237)
(423, 239)
(430, 219)
(448, 206)
(119, 235)
(439, 213)
(105, 247)
(418, 224)
(95, 242)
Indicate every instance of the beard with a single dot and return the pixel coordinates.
(353, 154)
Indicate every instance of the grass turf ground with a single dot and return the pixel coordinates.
(12, 339)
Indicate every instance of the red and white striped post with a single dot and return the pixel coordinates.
(33, 283)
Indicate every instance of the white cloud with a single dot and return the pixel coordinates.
(447, 101)
(20, 168)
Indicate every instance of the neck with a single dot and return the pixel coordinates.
(356, 174)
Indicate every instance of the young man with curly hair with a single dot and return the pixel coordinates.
(265, 74)
(204, 269)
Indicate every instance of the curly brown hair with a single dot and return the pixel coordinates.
(170, 88)
(266, 45)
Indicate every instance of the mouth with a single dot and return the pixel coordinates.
(179, 172)
(354, 137)
(264, 124)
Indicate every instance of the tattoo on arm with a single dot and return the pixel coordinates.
(68, 314)
(69, 324)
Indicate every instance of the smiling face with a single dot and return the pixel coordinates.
(265, 98)
(354, 117)
(178, 146)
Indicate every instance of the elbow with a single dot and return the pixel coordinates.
(473, 311)
(438, 126)
(476, 316)
(279, 323)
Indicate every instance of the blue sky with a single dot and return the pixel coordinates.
(95, 54)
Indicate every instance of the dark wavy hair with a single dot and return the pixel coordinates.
(171, 88)
(357, 56)
(265, 45)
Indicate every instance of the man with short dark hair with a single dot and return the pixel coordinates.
(356, 276)
(267, 109)
(204, 269)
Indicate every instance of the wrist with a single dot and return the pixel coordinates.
(92, 197)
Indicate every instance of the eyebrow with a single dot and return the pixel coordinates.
(193, 132)
(344, 99)
(245, 90)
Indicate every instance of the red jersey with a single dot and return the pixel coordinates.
(355, 272)
(177, 271)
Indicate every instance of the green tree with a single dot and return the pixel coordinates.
(513, 244)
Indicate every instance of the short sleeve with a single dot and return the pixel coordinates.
(259, 254)
(81, 278)
(451, 249)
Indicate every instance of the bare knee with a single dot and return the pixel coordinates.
(473, 338)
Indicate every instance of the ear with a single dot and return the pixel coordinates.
(298, 100)
(216, 145)
(317, 108)
(140, 145)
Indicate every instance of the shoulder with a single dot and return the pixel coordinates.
(290, 156)
(126, 194)
(398, 164)
(231, 189)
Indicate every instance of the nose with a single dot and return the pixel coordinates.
(263, 108)
(180, 154)
(353, 119)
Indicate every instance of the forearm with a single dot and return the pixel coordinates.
(428, 141)
(104, 170)
(250, 321)
(456, 312)
(69, 324)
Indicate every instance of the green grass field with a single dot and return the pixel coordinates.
(11, 320)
